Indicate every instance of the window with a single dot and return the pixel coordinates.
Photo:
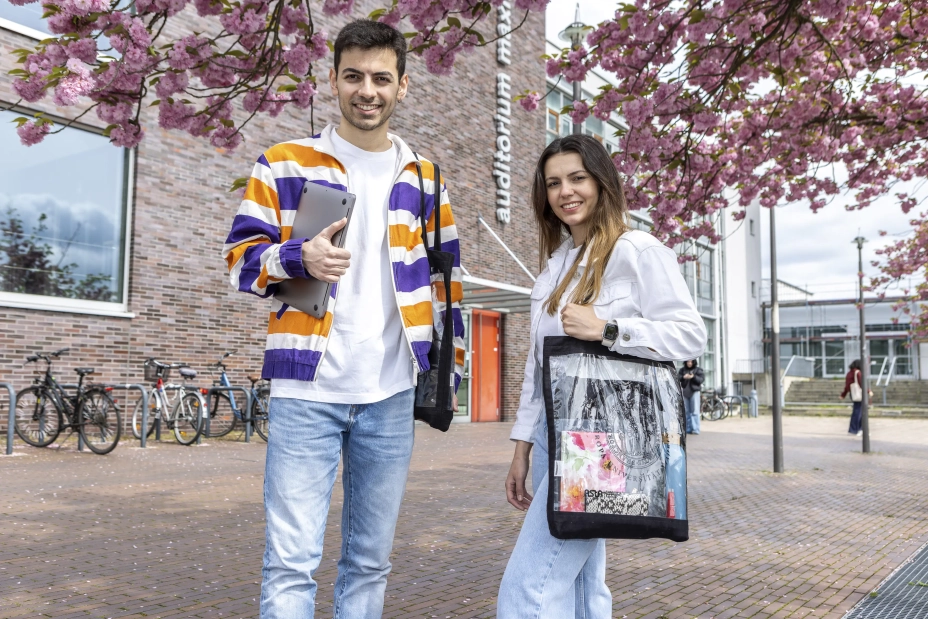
(708, 358)
(26, 19)
(63, 213)
(751, 226)
(754, 289)
(705, 294)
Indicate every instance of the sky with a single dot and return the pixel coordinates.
(813, 249)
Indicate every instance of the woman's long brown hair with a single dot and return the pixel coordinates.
(608, 221)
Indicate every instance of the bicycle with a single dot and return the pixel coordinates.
(224, 414)
(711, 407)
(45, 409)
(183, 415)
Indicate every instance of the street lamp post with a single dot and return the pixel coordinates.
(574, 34)
(775, 408)
(864, 349)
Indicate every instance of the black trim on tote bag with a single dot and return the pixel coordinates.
(621, 417)
(435, 386)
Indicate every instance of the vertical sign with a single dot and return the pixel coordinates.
(502, 120)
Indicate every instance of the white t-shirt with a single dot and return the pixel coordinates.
(367, 358)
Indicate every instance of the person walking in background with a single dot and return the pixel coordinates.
(853, 384)
(344, 385)
(606, 283)
(691, 377)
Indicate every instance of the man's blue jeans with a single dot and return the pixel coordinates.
(691, 408)
(308, 438)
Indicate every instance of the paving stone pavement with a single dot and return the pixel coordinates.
(172, 531)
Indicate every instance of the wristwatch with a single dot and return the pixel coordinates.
(610, 333)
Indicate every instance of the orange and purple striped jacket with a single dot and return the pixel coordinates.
(260, 253)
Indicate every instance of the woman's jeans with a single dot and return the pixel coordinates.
(691, 407)
(375, 442)
(550, 578)
(855, 419)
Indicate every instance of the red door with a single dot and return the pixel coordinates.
(485, 366)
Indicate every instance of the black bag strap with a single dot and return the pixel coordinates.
(436, 208)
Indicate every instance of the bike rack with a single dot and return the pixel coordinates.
(246, 415)
(11, 419)
(141, 389)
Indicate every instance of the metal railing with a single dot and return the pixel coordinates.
(11, 418)
(889, 375)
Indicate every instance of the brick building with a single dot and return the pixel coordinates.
(129, 242)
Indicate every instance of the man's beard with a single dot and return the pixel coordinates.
(349, 113)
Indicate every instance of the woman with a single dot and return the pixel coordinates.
(599, 273)
(854, 378)
(691, 377)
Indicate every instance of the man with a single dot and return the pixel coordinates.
(343, 386)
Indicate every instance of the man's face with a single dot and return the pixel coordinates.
(367, 86)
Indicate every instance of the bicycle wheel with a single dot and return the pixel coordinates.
(188, 418)
(38, 418)
(153, 411)
(101, 422)
(716, 410)
(222, 419)
(259, 408)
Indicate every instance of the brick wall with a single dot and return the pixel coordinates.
(184, 309)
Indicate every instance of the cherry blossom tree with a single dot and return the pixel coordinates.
(256, 54)
(730, 101)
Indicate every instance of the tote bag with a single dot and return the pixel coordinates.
(435, 386)
(857, 392)
(616, 444)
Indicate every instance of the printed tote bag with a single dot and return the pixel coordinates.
(616, 444)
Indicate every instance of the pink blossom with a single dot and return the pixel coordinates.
(127, 136)
(579, 112)
(303, 95)
(30, 90)
(32, 132)
(530, 101)
(171, 83)
(553, 67)
(226, 137)
(83, 49)
(336, 7)
(114, 114)
(176, 115)
(291, 18)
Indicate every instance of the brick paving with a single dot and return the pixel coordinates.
(178, 532)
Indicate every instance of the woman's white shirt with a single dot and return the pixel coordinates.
(643, 291)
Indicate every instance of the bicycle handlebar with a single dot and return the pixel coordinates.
(220, 364)
(46, 356)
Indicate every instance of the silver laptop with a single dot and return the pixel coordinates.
(319, 208)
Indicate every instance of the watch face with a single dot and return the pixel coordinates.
(611, 331)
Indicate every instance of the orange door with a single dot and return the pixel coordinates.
(485, 366)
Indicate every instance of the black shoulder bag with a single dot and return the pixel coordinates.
(435, 386)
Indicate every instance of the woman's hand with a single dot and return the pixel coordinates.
(515, 480)
(581, 322)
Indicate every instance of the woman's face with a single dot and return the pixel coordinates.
(572, 192)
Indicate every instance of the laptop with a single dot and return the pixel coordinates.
(319, 208)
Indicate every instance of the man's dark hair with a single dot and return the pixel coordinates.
(368, 34)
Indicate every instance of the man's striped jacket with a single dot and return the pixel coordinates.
(259, 253)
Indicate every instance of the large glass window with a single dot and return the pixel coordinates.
(63, 210)
(708, 358)
(28, 15)
(704, 291)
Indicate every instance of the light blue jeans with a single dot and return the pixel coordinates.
(691, 408)
(550, 578)
(375, 442)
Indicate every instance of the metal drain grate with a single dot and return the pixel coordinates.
(904, 595)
